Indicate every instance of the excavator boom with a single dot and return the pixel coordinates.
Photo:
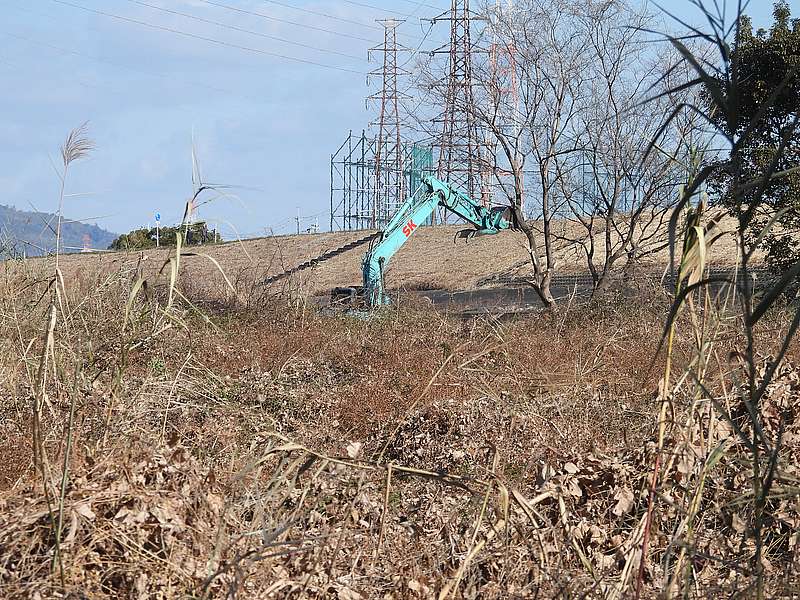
(414, 212)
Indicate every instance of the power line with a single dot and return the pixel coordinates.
(322, 14)
(75, 80)
(417, 49)
(206, 39)
(241, 29)
(389, 175)
(422, 4)
(380, 8)
(253, 13)
(338, 18)
(418, 6)
(459, 143)
(171, 78)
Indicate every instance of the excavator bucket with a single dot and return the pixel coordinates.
(468, 234)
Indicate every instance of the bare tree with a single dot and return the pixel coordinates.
(530, 108)
(619, 195)
(527, 132)
(560, 97)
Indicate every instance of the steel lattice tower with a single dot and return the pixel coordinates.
(503, 90)
(389, 169)
(460, 145)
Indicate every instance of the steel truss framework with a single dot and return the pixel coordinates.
(355, 173)
(502, 95)
(389, 159)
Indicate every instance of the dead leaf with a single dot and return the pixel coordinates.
(354, 449)
(738, 524)
(84, 510)
(624, 497)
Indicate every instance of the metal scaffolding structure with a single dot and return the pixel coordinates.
(372, 174)
(353, 183)
(355, 176)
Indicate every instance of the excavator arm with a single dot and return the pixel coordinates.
(412, 213)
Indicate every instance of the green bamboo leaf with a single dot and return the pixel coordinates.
(768, 227)
(716, 455)
(677, 304)
(710, 83)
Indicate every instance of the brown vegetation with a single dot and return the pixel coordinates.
(197, 436)
(431, 259)
(271, 451)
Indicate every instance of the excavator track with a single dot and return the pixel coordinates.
(322, 258)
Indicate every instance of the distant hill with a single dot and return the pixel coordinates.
(26, 233)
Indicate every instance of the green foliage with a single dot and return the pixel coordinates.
(196, 234)
(750, 98)
(138, 239)
(768, 83)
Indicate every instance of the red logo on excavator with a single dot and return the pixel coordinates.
(409, 228)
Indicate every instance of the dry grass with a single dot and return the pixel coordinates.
(430, 260)
(167, 434)
(269, 451)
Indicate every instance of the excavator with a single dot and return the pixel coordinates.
(416, 210)
(384, 244)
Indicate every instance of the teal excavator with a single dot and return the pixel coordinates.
(417, 210)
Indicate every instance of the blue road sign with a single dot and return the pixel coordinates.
(158, 216)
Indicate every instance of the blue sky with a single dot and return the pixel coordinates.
(264, 122)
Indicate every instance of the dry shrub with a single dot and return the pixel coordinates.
(292, 520)
(141, 524)
(271, 450)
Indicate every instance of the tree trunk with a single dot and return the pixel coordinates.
(541, 277)
(545, 294)
(602, 284)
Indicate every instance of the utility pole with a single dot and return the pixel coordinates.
(297, 220)
(460, 145)
(389, 175)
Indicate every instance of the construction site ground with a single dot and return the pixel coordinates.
(486, 272)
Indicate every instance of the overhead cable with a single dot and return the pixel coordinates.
(419, 46)
(242, 30)
(422, 4)
(253, 13)
(169, 77)
(342, 19)
(326, 15)
(394, 12)
(206, 39)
